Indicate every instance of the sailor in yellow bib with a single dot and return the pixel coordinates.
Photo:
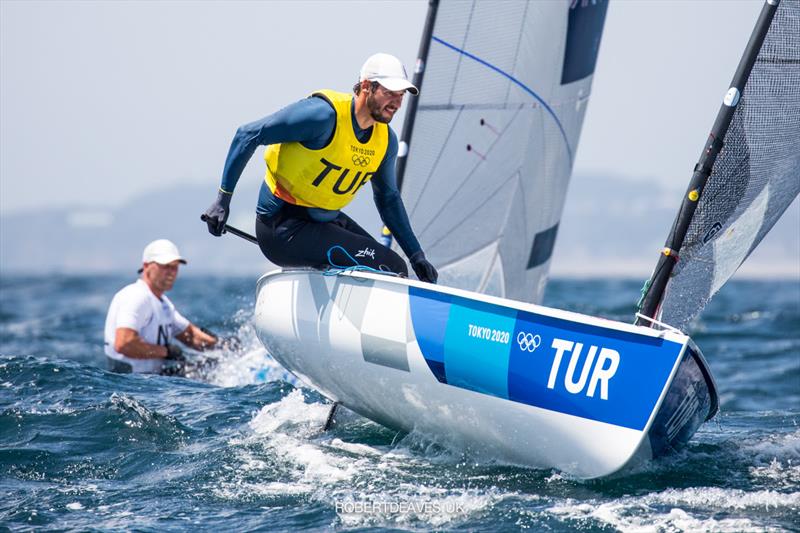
(320, 152)
(327, 178)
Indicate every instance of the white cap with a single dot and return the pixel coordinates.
(162, 252)
(388, 71)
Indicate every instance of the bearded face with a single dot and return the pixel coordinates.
(382, 104)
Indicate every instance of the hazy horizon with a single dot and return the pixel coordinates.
(102, 103)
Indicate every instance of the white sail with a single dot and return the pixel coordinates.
(500, 112)
(754, 180)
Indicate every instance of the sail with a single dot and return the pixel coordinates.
(754, 179)
(494, 138)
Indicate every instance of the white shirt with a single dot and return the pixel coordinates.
(155, 320)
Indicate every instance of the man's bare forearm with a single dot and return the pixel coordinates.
(196, 338)
(130, 344)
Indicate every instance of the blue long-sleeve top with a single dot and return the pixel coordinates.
(311, 122)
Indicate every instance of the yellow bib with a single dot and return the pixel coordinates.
(327, 178)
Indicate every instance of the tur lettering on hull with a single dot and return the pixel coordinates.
(602, 372)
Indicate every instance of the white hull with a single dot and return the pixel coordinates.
(483, 374)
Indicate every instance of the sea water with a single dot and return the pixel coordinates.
(243, 447)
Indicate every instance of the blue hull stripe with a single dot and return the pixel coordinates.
(584, 370)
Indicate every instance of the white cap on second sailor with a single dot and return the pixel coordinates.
(161, 251)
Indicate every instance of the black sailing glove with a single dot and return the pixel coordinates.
(216, 215)
(423, 268)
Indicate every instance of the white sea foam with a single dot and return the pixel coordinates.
(289, 425)
(380, 486)
(293, 412)
(55, 409)
(776, 460)
(335, 472)
(253, 366)
(714, 498)
(125, 403)
(238, 489)
(778, 473)
(77, 490)
(287, 432)
(382, 497)
(248, 364)
(691, 509)
(784, 447)
(355, 448)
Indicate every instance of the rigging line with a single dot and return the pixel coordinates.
(515, 81)
(472, 173)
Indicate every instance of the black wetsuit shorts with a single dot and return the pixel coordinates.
(290, 238)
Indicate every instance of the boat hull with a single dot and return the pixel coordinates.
(515, 382)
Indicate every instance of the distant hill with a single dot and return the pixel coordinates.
(617, 227)
(101, 239)
(609, 227)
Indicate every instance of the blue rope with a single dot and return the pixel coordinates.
(335, 269)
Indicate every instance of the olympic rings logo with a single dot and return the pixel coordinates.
(528, 342)
(360, 160)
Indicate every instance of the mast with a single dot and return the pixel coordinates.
(411, 112)
(653, 291)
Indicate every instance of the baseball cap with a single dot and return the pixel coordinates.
(388, 71)
(161, 251)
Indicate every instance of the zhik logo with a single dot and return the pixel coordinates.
(366, 252)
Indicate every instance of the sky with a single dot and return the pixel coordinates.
(101, 102)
